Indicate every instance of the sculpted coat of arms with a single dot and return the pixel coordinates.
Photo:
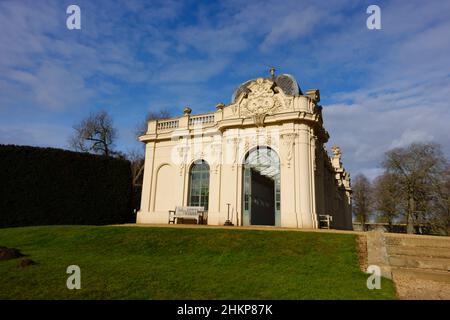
(261, 100)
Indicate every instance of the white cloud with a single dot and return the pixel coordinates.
(293, 26)
(409, 136)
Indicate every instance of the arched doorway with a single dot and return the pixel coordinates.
(261, 187)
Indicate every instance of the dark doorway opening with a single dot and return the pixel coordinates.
(263, 204)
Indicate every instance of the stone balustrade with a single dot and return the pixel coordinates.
(167, 124)
(201, 119)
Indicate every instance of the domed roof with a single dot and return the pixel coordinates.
(286, 82)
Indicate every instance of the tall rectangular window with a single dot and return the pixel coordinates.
(199, 185)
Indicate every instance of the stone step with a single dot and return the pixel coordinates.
(418, 241)
(442, 264)
(418, 251)
(422, 274)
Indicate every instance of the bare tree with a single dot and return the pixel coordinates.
(362, 199)
(137, 166)
(440, 205)
(417, 169)
(95, 134)
(388, 199)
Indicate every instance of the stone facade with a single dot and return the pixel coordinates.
(270, 113)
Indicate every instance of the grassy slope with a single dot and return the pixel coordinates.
(171, 263)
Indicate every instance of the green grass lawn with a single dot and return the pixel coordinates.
(184, 263)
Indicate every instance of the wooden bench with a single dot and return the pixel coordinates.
(186, 213)
(325, 221)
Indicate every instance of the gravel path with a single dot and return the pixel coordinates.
(415, 289)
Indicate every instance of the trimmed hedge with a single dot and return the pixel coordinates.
(45, 186)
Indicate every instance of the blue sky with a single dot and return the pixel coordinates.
(380, 88)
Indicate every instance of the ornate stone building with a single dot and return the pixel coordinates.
(260, 159)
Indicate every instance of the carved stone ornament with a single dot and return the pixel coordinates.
(246, 145)
(234, 151)
(268, 140)
(182, 153)
(336, 151)
(200, 155)
(313, 145)
(216, 149)
(258, 119)
(289, 142)
(261, 101)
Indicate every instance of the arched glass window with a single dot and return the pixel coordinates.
(199, 184)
